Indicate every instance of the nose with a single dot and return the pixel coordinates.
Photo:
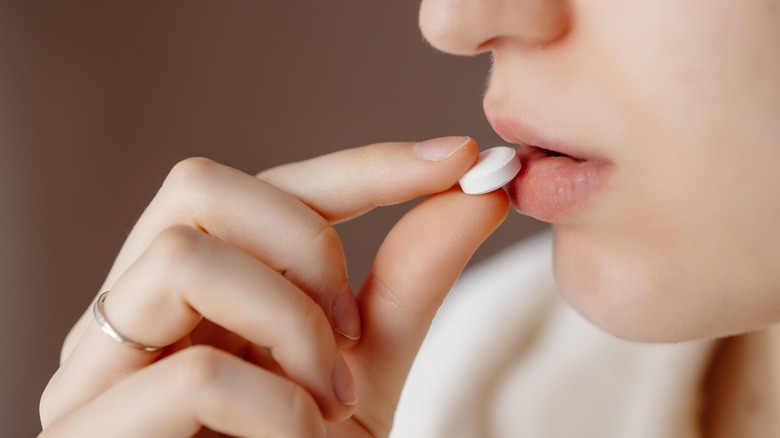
(468, 27)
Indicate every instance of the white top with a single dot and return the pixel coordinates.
(507, 357)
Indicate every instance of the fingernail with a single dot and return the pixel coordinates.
(440, 148)
(346, 318)
(344, 383)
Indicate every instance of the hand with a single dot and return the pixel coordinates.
(202, 267)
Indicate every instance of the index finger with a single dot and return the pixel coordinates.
(338, 186)
(348, 183)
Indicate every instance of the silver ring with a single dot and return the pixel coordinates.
(97, 309)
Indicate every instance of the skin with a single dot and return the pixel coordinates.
(209, 273)
(681, 97)
(683, 241)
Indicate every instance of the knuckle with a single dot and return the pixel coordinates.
(312, 320)
(176, 243)
(327, 253)
(197, 368)
(191, 171)
(194, 188)
(326, 240)
(46, 409)
(195, 375)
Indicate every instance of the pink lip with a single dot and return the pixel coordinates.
(551, 187)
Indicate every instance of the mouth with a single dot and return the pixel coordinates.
(547, 152)
(557, 180)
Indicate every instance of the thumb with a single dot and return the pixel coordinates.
(414, 269)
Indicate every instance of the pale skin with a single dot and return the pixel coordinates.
(682, 97)
(223, 265)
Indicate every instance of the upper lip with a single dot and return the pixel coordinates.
(519, 132)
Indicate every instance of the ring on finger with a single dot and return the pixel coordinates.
(100, 317)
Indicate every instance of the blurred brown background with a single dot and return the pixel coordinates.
(99, 99)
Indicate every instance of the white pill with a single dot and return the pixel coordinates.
(494, 168)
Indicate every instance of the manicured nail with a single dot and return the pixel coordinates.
(344, 383)
(346, 318)
(440, 148)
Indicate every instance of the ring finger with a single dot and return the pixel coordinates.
(186, 275)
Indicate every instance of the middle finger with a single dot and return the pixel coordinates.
(255, 217)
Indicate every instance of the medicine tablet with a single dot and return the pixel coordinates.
(494, 168)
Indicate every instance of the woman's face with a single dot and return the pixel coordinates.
(667, 225)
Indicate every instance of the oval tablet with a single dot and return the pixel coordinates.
(494, 168)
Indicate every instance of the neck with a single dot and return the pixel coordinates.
(742, 388)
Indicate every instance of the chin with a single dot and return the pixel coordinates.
(624, 296)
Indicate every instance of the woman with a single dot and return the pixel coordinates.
(649, 139)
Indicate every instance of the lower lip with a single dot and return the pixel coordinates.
(555, 188)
